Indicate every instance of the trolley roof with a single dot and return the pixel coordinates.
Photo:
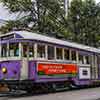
(39, 37)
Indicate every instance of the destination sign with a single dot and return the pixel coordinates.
(7, 37)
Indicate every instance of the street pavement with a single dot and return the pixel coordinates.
(83, 94)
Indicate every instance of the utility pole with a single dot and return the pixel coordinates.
(66, 6)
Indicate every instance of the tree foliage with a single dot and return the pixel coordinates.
(84, 21)
(82, 24)
(45, 16)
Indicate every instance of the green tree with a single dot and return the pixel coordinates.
(84, 21)
(45, 16)
(12, 25)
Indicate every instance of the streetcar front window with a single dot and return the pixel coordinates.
(4, 50)
(13, 49)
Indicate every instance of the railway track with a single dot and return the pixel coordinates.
(22, 93)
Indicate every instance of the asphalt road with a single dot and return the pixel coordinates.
(83, 94)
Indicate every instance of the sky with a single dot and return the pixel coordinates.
(97, 1)
(6, 16)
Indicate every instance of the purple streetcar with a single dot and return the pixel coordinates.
(35, 62)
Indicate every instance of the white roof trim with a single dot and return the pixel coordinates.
(35, 36)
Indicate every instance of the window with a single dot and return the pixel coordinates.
(87, 60)
(40, 51)
(66, 54)
(81, 60)
(31, 50)
(28, 50)
(4, 50)
(98, 59)
(85, 72)
(50, 52)
(73, 54)
(13, 49)
(25, 50)
(59, 53)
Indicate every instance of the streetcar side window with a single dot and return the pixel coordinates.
(50, 52)
(41, 51)
(31, 50)
(13, 49)
(66, 54)
(59, 54)
(81, 59)
(4, 50)
(28, 50)
(25, 50)
(73, 55)
(87, 60)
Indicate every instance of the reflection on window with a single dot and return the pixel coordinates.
(13, 49)
(31, 50)
(40, 51)
(73, 54)
(66, 54)
(59, 53)
(81, 59)
(4, 50)
(50, 52)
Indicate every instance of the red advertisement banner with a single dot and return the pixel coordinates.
(49, 68)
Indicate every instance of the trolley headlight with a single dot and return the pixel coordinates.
(4, 70)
